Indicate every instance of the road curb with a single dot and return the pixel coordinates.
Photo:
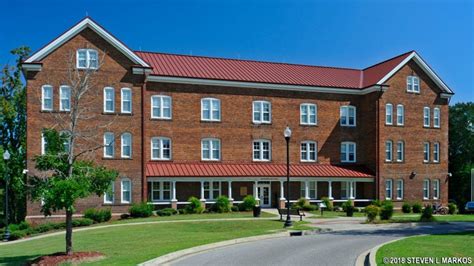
(165, 259)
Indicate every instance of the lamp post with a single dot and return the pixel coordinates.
(6, 157)
(287, 134)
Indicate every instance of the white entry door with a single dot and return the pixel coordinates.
(264, 194)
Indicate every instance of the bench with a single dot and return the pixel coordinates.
(298, 212)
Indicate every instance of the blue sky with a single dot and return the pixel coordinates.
(331, 33)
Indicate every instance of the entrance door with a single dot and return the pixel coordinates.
(264, 195)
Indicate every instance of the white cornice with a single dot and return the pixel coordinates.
(32, 67)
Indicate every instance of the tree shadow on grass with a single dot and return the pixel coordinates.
(18, 260)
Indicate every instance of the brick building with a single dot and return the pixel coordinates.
(176, 126)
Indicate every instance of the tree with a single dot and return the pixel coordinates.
(13, 132)
(461, 151)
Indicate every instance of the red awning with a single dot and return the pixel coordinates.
(168, 169)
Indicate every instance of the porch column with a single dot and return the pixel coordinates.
(330, 190)
(203, 200)
(174, 201)
(351, 189)
(282, 200)
(306, 190)
(229, 190)
(255, 191)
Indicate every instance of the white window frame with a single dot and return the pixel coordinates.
(306, 107)
(88, 58)
(426, 116)
(347, 144)
(160, 149)
(388, 189)
(160, 191)
(307, 144)
(122, 200)
(161, 107)
(122, 145)
(261, 150)
(413, 84)
(211, 149)
(400, 188)
(210, 189)
(67, 143)
(388, 151)
(312, 186)
(261, 112)
(426, 151)
(388, 114)
(436, 187)
(426, 189)
(400, 115)
(112, 143)
(436, 152)
(105, 99)
(43, 107)
(43, 144)
(436, 117)
(62, 98)
(111, 193)
(348, 109)
(122, 101)
(401, 151)
(211, 110)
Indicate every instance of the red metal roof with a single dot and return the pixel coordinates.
(169, 169)
(186, 66)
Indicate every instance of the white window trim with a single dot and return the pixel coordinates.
(61, 108)
(160, 141)
(122, 191)
(426, 181)
(307, 143)
(436, 112)
(390, 181)
(347, 143)
(388, 107)
(112, 184)
(347, 124)
(261, 121)
(42, 98)
(211, 117)
(426, 114)
(122, 100)
(436, 151)
(161, 99)
(402, 114)
(105, 145)
(105, 100)
(160, 190)
(411, 81)
(211, 190)
(88, 51)
(43, 144)
(429, 148)
(308, 106)
(387, 143)
(436, 187)
(210, 149)
(402, 151)
(400, 187)
(260, 157)
(122, 145)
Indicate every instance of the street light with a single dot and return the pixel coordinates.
(6, 157)
(287, 134)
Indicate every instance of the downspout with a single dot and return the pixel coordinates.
(144, 183)
(377, 145)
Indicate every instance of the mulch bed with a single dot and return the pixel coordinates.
(61, 257)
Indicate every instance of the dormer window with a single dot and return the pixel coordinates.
(413, 84)
(87, 59)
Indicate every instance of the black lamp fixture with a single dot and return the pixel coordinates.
(287, 134)
(6, 158)
(412, 174)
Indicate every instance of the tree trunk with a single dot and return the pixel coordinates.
(68, 232)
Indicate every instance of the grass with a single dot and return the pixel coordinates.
(446, 245)
(134, 244)
(334, 214)
(407, 218)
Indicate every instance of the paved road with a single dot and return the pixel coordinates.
(340, 247)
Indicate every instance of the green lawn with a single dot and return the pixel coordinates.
(129, 245)
(449, 245)
(407, 218)
(333, 214)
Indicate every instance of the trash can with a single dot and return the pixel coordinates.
(256, 211)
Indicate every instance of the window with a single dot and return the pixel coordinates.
(426, 189)
(126, 95)
(348, 152)
(210, 109)
(261, 150)
(400, 151)
(388, 114)
(388, 189)
(308, 114)
(388, 151)
(47, 98)
(67, 140)
(426, 152)
(43, 144)
(348, 116)
(436, 152)
(65, 98)
(159, 191)
(312, 189)
(436, 189)
(126, 145)
(399, 189)
(413, 84)
(210, 149)
(262, 112)
(426, 117)
(436, 117)
(109, 145)
(109, 194)
(126, 187)
(345, 190)
(161, 107)
(400, 115)
(212, 190)
(160, 148)
(308, 151)
(87, 59)
(109, 100)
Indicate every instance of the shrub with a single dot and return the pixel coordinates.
(377, 203)
(166, 212)
(349, 208)
(248, 203)
(141, 210)
(453, 209)
(406, 208)
(44, 227)
(17, 235)
(194, 206)
(222, 205)
(24, 225)
(386, 210)
(427, 214)
(328, 203)
(82, 222)
(303, 204)
(416, 207)
(371, 211)
(98, 216)
(234, 208)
